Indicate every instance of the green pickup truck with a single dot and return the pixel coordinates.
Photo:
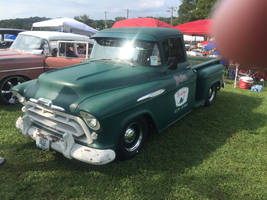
(135, 80)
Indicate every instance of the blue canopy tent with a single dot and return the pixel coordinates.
(210, 46)
(10, 37)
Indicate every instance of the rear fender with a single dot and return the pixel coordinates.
(206, 90)
(206, 78)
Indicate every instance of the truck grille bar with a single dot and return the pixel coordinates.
(56, 121)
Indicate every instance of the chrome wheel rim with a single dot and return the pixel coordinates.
(211, 94)
(133, 136)
(5, 90)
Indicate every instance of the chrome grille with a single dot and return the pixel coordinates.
(56, 121)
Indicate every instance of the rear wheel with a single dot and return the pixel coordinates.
(212, 93)
(6, 84)
(132, 138)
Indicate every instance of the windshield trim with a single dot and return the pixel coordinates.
(144, 51)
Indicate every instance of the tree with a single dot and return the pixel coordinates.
(186, 11)
(119, 18)
(84, 19)
(191, 10)
(203, 8)
(21, 23)
(97, 24)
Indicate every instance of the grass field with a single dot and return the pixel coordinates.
(219, 152)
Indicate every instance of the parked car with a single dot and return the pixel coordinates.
(137, 78)
(35, 52)
(194, 52)
(7, 36)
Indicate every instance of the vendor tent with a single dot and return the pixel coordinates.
(9, 33)
(190, 38)
(68, 25)
(210, 46)
(199, 27)
(141, 22)
(204, 43)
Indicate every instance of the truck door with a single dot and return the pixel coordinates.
(67, 53)
(181, 94)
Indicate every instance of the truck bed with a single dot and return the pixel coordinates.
(196, 60)
(209, 71)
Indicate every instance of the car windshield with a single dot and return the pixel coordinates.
(135, 52)
(27, 43)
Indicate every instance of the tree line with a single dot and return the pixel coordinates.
(21, 23)
(189, 10)
(26, 23)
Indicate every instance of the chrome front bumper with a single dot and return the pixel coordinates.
(66, 145)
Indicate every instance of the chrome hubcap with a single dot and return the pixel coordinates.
(133, 136)
(129, 135)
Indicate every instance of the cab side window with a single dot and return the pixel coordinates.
(67, 50)
(173, 48)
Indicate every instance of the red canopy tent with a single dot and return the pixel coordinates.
(199, 27)
(141, 22)
(204, 43)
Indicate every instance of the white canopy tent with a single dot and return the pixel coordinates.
(68, 25)
(193, 38)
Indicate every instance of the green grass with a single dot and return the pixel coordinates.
(219, 152)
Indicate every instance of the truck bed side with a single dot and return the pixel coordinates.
(208, 74)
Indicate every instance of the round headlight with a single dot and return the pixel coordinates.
(20, 98)
(90, 120)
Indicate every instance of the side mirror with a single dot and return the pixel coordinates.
(172, 63)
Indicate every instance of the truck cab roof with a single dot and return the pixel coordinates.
(141, 33)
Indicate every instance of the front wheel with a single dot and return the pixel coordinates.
(6, 84)
(132, 138)
(211, 96)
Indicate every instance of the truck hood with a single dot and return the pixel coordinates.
(70, 86)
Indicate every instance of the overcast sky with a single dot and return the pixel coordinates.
(10, 9)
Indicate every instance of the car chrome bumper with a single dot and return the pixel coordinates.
(67, 145)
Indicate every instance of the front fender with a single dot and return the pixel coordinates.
(21, 88)
(114, 109)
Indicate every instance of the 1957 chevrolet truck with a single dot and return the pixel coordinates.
(102, 109)
(35, 52)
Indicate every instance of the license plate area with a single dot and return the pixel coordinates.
(42, 142)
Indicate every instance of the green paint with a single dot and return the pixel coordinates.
(110, 89)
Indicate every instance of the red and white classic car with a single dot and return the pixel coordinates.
(35, 52)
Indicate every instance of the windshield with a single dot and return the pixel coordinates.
(137, 52)
(27, 43)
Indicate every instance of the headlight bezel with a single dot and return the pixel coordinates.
(90, 120)
(21, 99)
